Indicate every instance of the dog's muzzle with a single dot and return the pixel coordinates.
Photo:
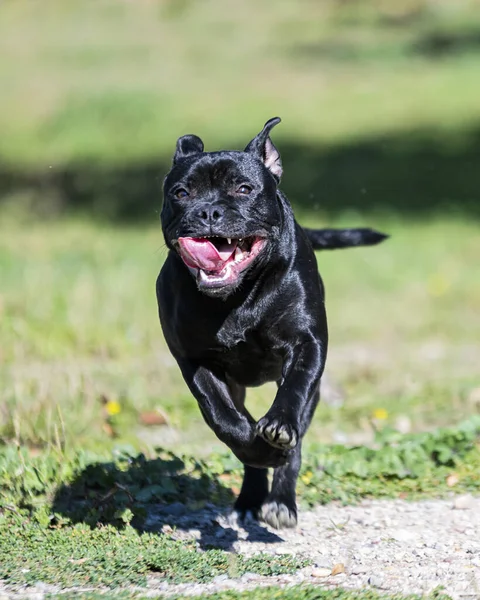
(218, 261)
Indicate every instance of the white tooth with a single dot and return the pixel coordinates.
(229, 240)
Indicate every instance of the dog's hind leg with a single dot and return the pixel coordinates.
(280, 508)
(254, 492)
(255, 480)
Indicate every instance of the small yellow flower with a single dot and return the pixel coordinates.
(438, 285)
(380, 413)
(113, 407)
(307, 477)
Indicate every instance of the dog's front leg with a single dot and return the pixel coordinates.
(292, 410)
(217, 405)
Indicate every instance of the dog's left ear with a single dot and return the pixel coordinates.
(262, 146)
(187, 145)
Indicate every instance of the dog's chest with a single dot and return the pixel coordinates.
(235, 329)
(246, 352)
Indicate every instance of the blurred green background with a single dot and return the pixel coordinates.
(380, 107)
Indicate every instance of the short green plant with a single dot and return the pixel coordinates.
(398, 465)
(304, 592)
(79, 556)
(316, 593)
(94, 488)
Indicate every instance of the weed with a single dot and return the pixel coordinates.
(80, 556)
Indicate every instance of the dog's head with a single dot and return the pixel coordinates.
(220, 210)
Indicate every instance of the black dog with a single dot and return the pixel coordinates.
(241, 303)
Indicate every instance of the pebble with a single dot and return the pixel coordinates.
(376, 581)
(321, 572)
(464, 502)
(403, 535)
(250, 576)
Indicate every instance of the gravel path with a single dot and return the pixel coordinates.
(388, 545)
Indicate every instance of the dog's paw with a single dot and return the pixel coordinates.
(276, 433)
(278, 515)
(236, 519)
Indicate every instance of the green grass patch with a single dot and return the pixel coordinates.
(90, 81)
(304, 592)
(80, 556)
(56, 490)
(379, 100)
(406, 466)
(314, 593)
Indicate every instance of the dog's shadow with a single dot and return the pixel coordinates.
(157, 495)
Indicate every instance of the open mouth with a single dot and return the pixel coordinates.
(217, 261)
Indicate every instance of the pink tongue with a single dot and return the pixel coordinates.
(202, 254)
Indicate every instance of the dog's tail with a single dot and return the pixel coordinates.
(331, 239)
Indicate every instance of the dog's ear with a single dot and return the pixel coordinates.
(262, 146)
(187, 145)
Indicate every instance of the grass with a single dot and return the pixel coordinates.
(79, 556)
(59, 487)
(304, 592)
(79, 328)
(313, 593)
(91, 80)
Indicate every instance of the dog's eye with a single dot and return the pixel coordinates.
(181, 193)
(244, 189)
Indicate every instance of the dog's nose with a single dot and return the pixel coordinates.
(210, 214)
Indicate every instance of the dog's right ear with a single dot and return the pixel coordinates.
(187, 145)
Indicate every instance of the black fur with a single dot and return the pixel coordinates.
(331, 239)
(266, 323)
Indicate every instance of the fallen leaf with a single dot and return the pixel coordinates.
(338, 568)
(151, 418)
(108, 429)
